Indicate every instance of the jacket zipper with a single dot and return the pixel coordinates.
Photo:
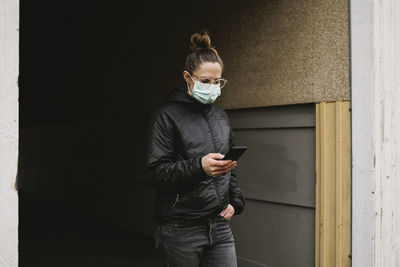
(214, 146)
(176, 201)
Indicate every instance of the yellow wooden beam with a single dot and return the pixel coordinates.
(333, 184)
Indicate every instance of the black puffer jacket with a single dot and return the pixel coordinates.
(182, 131)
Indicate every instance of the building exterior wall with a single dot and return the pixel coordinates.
(9, 11)
(276, 50)
(284, 52)
(375, 49)
(299, 54)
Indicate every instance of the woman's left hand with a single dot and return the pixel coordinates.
(228, 212)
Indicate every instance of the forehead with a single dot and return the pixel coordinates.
(209, 69)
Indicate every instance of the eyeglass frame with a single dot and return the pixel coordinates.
(211, 80)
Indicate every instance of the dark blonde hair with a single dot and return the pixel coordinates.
(201, 51)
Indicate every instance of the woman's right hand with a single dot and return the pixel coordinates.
(213, 165)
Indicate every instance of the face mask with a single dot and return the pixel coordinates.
(205, 93)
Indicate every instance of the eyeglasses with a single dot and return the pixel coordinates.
(207, 81)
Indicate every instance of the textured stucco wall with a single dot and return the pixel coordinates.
(8, 132)
(284, 52)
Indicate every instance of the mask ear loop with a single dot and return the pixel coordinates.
(187, 84)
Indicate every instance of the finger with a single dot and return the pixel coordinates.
(219, 170)
(228, 168)
(232, 208)
(223, 213)
(229, 215)
(220, 163)
(231, 212)
(232, 165)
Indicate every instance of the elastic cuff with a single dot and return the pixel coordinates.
(238, 208)
(201, 166)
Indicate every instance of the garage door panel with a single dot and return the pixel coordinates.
(279, 165)
(277, 117)
(269, 234)
(277, 177)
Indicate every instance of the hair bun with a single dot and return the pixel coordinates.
(200, 41)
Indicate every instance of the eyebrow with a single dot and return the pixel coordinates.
(209, 77)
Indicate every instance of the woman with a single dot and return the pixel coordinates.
(197, 191)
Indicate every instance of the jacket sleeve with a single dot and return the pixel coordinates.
(161, 169)
(236, 198)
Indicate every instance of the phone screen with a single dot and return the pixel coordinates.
(235, 153)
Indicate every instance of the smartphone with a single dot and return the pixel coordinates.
(235, 153)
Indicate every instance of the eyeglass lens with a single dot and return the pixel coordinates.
(221, 82)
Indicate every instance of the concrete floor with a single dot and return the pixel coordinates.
(57, 236)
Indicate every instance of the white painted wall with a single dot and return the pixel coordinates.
(363, 147)
(387, 132)
(9, 37)
(375, 50)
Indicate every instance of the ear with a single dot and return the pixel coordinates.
(188, 80)
(186, 77)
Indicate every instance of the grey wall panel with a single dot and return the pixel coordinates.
(274, 235)
(279, 165)
(273, 117)
(277, 177)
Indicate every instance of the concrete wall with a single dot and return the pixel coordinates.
(9, 25)
(92, 73)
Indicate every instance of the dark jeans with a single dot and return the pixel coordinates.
(209, 243)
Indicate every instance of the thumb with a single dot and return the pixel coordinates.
(218, 156)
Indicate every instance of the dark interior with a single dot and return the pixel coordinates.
(91, 73)
(86, 63)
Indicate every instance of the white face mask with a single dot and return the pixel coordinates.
(205, 93)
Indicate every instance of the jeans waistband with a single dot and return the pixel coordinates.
(206, 220)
